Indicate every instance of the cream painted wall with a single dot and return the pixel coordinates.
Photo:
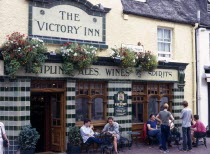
(14, 17)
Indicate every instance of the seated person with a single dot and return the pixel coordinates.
(112, 128)
(199, 130)
(175, 133)
(88, 134)
(152, 128)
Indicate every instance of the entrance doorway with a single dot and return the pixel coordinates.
(47, 116)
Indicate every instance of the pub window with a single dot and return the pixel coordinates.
(149, 99)
(152, 106)
(137, 109)
(91, 101)
(164, 40)
(163, 101)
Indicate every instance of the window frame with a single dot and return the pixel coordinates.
(147, 96)
(171, 43)
(90, 98)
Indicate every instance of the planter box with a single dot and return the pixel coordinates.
(73, 149)
(27, 151)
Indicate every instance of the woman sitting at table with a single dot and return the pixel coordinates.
(87, 134)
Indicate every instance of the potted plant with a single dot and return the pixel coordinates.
(77, 57)
(74, 141)
(27, 140)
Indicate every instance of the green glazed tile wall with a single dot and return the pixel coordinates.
(14, 108)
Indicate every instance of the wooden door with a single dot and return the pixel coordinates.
(57, 137)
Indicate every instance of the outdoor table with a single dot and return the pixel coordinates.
(133, 134)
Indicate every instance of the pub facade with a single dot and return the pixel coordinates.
(52, 101)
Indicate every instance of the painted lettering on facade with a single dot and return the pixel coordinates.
(66, 21)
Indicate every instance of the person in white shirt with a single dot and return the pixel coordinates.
(2, 135)
(87, 134)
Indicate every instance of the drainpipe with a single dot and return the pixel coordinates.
(194, 67)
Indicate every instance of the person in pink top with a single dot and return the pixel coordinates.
(199, 130)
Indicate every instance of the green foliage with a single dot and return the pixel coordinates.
(19, 51)
(77, 57)
(74, 136)
(143, 61)
(28, 138)
(146, 61)
(127, 57)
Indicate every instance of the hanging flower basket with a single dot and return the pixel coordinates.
(128, 59)
(19, 51)
(77, 57)
(125, 57)
(146, 61)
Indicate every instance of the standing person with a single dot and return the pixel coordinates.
(153, 130)
(2, 135)
(112, 128)
(199, 130)
(186, 116)
(88, 134)
(163, 117)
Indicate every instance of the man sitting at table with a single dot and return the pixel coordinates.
(199, 130)
(88, 134)
(152, 129)
(112, 128)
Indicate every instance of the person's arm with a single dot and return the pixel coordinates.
(171, 118)
(181, 115)
(105, 129)
(4, 135)
(194, 126)
(158, 118)
(149, 127)
(84, 133)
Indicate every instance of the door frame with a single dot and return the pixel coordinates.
(54, 90)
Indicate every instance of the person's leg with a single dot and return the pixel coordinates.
(193, 137)
(163, 135)
(156, 133)
(189, 139)
(184, 132)
(115, 144)
(96, 140)
(167, 133)
(170, 138)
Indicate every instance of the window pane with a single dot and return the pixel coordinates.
(167, 47)
(137, 113)
(97, 109)
(167, 35)
(163, 101)
(161, 46)
(152, 106)
(160, 34)
(81, 109)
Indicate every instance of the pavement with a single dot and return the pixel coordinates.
(141, 148)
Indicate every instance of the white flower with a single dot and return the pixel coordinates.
(19, 48)
(134, 60)
(33, 47)
(37, 45)
(75, 54)
(61, 47)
